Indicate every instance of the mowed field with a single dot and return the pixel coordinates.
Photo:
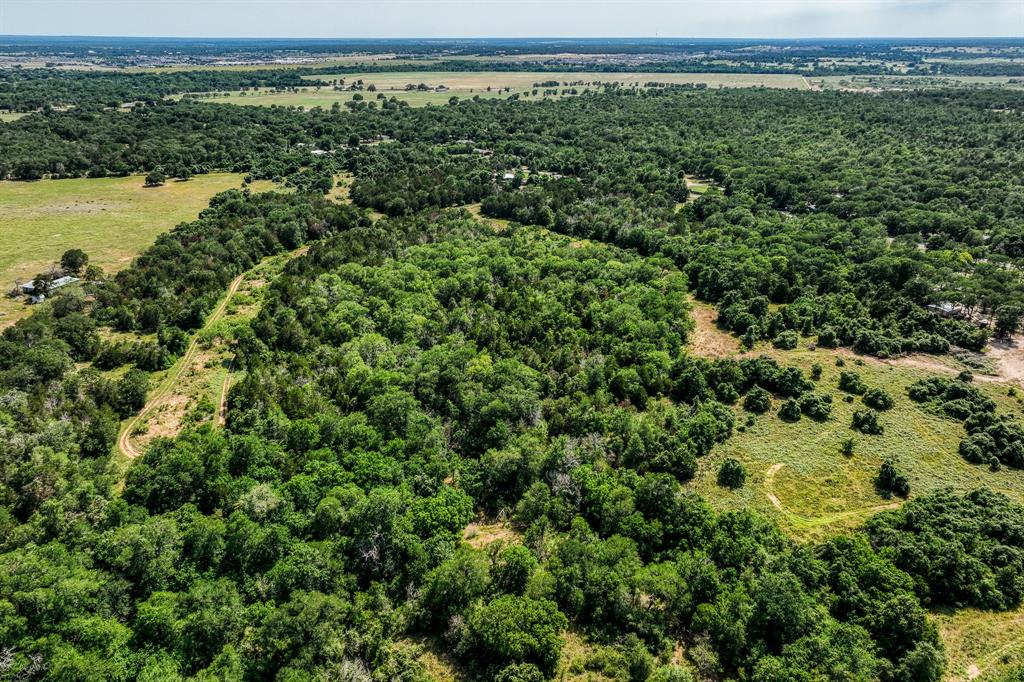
(111, 219)
(325, 97)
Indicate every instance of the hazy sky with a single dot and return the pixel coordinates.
(514, 18)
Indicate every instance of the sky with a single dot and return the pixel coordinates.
(515, 18)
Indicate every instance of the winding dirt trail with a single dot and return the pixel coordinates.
(222, 409)
(124, 440)
(769, 480)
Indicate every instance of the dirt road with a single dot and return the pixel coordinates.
(124, 440)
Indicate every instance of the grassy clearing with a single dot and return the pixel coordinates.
(885, 82)
(111, 219)
(982, 645)
(326, 97)
(344, 60)
(470, 84)
(6, 116)
(819, 491)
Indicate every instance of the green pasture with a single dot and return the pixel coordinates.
(820, 490)
(111, 219)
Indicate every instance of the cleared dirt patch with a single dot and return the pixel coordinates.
(1009, 357)
(708, 340)
(481, 534)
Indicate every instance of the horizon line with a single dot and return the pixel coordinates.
(536, 37)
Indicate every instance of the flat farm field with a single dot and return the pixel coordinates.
(524, 80)
(476, 83)
(111, 219)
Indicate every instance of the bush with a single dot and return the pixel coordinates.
(790, 410)
(866, 421)
(510, 630)
(817, 407)
(155, 178)
(787, 340)
(892, 481)
(878, 399)
(757, 401)
(851, 382)
(827, 337)
(732, 474)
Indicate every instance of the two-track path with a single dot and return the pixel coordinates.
(124, 440)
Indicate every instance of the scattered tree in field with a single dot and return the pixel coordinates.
(851, 382)
(891, 480)
(878, 399)
(732, 473)
(73, 261)
(866, 421)
(155, 178)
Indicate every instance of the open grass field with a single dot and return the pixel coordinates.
(796, 472)
(111, 219)
(523, 80)
(470, 84)
(345, 60)
(326, 97)
(983, 646)
(913, 82)
(6, 116)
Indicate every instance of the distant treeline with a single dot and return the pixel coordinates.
(25, 90)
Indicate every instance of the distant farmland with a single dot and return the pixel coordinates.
(476, 83)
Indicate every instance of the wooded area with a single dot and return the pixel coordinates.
(424, 367)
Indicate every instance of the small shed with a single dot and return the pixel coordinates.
(29, 288)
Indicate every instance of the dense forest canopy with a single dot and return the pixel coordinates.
(495, 328)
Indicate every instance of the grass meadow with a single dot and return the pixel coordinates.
(470, 84)
(820, 491)
(111, 219)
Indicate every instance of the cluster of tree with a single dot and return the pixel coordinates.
(401, 378)
(408, 374)
(403, 179)
(35, 89)
(991, 439)
(855, 262)
(960, 550)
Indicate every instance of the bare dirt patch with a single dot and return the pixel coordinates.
(1009, 357)
(480, 534)
(707, 339)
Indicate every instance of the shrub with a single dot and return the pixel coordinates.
(866, 421)
(732, 474)
(510, 630)
(817, 407)
(878, 399)
(790, 410)
(758, 401)
(851, 382)
(827, 337)
(892, 481)
(786, 340)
